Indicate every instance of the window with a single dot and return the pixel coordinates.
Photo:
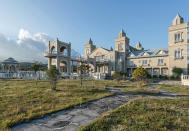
(87, 51)
(160, 61)
(111, 57)
(144, 62)
(131, 63)
(105, 57)
(178, 53)
(178, 37)
(119, 46)
(97, 58)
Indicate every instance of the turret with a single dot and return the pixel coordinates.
(89, 48)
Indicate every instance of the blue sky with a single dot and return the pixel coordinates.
(76, 21)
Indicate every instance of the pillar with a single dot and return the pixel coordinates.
(49, 63)
(72, 67)
(68, 67)
(131, 71)
(152, 72)
(95, 67)
(104, 67)
(160, 71)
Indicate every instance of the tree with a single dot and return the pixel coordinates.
(36, 67)
(177, 71)
(117, 75)
(139, 74)
(52, 75)
(83, 70)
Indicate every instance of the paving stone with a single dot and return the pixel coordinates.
(71, 119)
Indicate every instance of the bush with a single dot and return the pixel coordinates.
(117, 75)
(177, 71)
(52, 74)
(172, 77)
(139, 74)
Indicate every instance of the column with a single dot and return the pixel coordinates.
(160, 71)
(131, 71)
(104, 67)
(152, 72)
(49, 63)
(72, 66)
(15, 70)
(95, 67)
(68, 67)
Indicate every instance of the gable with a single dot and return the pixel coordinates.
(161, 52)
(99, 51)
(131, 55)
(145, 54)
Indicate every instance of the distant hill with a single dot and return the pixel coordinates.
(75, 54)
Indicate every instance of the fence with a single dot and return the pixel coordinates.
(42, 75)
(185, 79)
(24, 75)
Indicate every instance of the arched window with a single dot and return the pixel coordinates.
(52, 50)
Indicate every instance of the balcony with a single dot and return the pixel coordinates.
(50, 54)
(145, 65)
(132, 65)
(101, 60)
(161, 64)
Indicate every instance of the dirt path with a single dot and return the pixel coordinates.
(71, 119)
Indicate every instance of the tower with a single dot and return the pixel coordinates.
(122, 48)
(122, 42)
(89, 48)
(139, 46)
(178, 44)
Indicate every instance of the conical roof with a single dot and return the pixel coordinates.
(178, 19)
(90, 41)
(122, 33)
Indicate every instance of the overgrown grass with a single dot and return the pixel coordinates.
(144, 91)
(23, 100)
(182, 90)
(145, 114)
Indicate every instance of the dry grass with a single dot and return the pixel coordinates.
(23, 100)
(182, 90)
(145, 114)
(144, 91)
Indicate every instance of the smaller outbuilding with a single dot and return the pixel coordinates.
(9, 65)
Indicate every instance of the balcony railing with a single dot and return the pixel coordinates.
(101, 60)
(161, 64)
(50, 54)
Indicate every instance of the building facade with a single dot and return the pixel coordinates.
(126, 58)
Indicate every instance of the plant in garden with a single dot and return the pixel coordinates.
(139, 74)
(177, 71)
(52, 74)
(83, 69)
(117, 75)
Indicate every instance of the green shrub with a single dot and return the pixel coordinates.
(177, 71)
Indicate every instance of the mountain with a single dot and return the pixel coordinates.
(75, 54)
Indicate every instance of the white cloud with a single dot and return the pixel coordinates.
(28, 47)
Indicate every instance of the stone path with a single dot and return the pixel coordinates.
(71, 119)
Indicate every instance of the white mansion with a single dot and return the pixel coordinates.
(126, 58)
